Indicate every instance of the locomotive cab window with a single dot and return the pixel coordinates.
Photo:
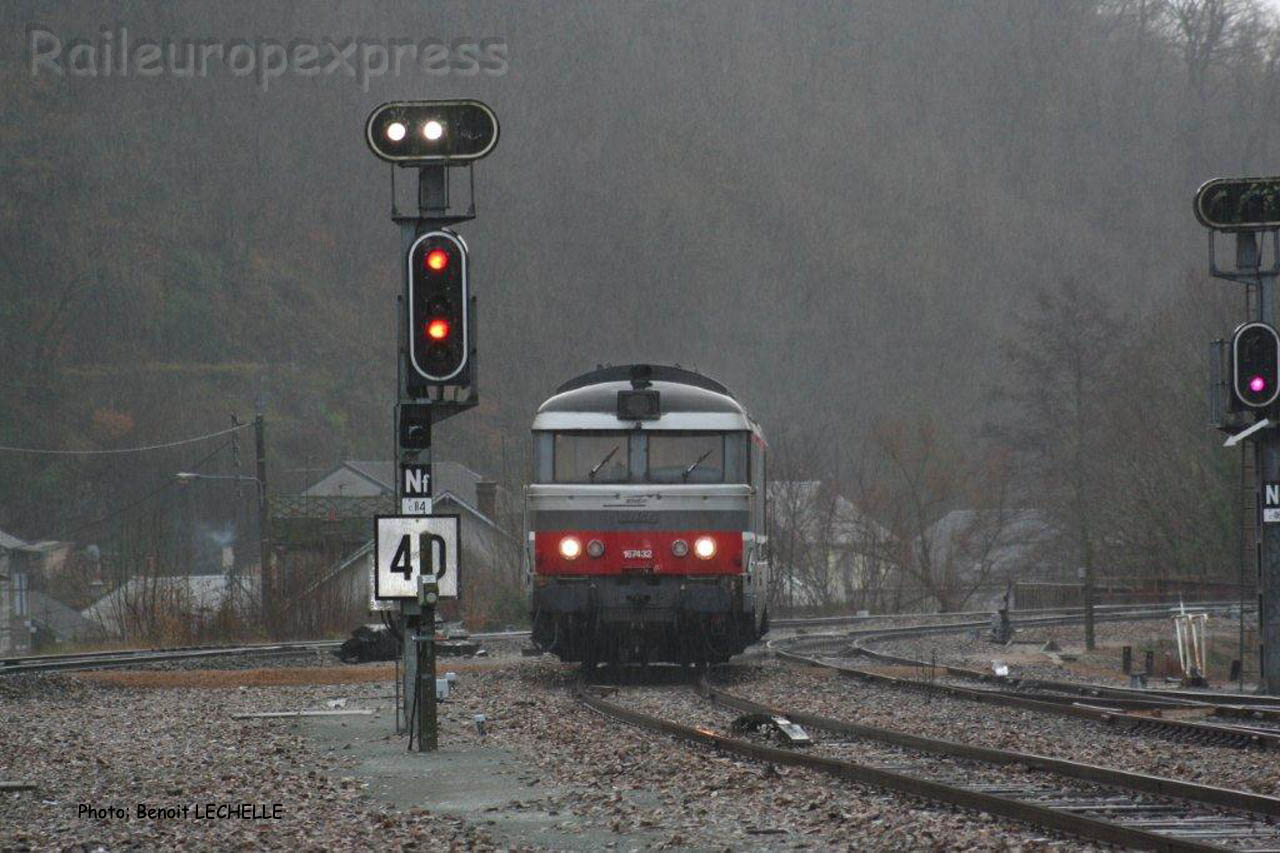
(592, 457)
(686, 457)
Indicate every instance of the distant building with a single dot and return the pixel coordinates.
(455, 484)
(15, 634)
(486, 549)
(128, 610)
(29, 617)
(990, 549)
(825, 551)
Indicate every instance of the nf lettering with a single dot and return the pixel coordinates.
(417, 481)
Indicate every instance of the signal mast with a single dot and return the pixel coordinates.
(416, 553)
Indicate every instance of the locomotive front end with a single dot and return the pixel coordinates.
(646, 520)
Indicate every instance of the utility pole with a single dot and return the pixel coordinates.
(264, 516)
(1249, 208)
(1087, 574)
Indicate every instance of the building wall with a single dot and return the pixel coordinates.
(6, 614)
(14, 636)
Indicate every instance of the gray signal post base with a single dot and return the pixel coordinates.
(422, 721)
(418, 621)
(1266, 446)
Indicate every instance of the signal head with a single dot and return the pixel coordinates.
(420, 133)
(439, 344)
(1255, 365)
(1239, 204)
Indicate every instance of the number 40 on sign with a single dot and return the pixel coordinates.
(408, 547)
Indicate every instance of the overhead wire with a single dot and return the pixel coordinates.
(167, 484)
(168, 444)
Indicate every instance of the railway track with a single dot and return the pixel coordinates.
(1097, 803)
(1228, 701)
(1139, 711)
(126, 657)
(129, 657)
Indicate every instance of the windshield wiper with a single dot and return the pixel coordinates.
(696, 463)
(600, 464)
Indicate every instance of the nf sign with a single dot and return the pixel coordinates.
(415, 484)
(416, 480)
(409, 547)
(1271, 503)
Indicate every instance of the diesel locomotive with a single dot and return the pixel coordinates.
(645, 520)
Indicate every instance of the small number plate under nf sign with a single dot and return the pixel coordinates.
(409, 547)
(415, 506)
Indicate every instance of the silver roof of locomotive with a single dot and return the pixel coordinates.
(683, 406)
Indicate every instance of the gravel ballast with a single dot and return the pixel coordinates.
(599, 784)
(107, 741)
(824, 693)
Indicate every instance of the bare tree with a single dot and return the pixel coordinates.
(947, 513)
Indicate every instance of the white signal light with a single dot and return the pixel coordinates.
(395, 131)
(680, 548)
(570, 547)
(595, 548)
(704, 547)
(433, 130)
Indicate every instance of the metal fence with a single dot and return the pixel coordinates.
(1038, 595)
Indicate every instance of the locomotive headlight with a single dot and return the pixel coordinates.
(570, 547)
(704, 547)
(595, 548)
(680, 548)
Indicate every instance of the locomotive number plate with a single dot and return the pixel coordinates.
(637, 554)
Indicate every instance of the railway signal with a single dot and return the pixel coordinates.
(1249, 207)
(437, 332)
(420, 133)
(438, 308)
(1255, 365)
(1239, 204)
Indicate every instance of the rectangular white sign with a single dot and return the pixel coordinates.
(408, 547)
(1270, 503)
(415, 480)
(415, 506)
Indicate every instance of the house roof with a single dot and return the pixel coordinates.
(10, 542)
(1021, 532)
(197, 592)
(65, 622)
(452, 478)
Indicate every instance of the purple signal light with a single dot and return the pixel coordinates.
(1257, 384)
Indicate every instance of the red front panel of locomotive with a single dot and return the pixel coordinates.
(619, 552)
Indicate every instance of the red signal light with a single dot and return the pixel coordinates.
(437, 259)
(437, 328)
